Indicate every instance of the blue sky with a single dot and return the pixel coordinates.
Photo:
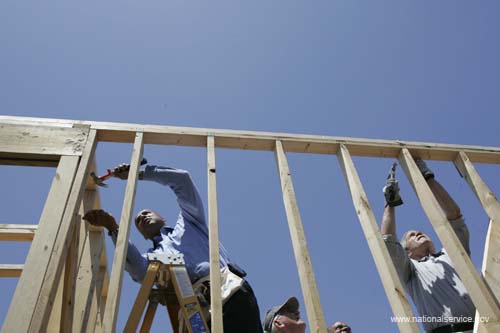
(408, 70)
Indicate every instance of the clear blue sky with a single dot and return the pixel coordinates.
(408, 70)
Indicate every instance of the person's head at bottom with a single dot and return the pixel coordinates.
(284, 318)
(339, 327)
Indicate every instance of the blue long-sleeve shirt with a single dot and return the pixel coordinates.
(189, 236)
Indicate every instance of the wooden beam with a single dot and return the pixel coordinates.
(99, 296)
(491, 257)
(42, 140)
(63, 239)
(483, 299)
(54, 324)
(113, 300)
(92, 264)
(78, 271)
(72, 300)
(252, 140)
(8, 270)
(215, 278)
(69, 279)
(304, 265)
(17, 232)
(58, 318)
(388, 274)
(36, 160)
(89, 262)
(28, 288)
(105, 287)
(491, 261)
(481, 190)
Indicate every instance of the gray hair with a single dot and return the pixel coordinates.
(403, 240)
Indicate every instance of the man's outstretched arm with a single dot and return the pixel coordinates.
(184, 188)
(388, 230)
(398, 254)
(136, 264)
(179, 181)
(388, 225)
(447, 204)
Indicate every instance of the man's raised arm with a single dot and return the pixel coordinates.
(388, 227)
(184, 188)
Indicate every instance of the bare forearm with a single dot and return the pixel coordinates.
(388, 225)
(448, 205)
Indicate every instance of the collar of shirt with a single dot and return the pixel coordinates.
(434, 255)
(158, 239)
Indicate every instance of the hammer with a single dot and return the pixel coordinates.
(99, 181)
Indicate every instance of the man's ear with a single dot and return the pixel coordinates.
(278, 323)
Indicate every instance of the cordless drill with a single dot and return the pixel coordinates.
(391, 189)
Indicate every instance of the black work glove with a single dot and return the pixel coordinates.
(391, 193)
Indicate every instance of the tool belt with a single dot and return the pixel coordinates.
(231, 282)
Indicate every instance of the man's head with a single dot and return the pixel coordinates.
(417, 244)
(285, 318)
(339, 327)
(149, 223)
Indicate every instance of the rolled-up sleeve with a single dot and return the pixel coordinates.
(462, 232)
(403, 264)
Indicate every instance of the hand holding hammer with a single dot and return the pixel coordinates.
(121, 171)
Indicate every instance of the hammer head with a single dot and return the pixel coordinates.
(98, 181)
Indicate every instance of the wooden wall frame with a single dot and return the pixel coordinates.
(63, 256)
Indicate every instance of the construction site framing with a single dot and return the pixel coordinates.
(64, 285)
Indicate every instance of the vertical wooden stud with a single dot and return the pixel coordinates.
(62, 242)
(28, 288)
(99, 296)
(54, 324)
(304, 265)
(88, 264)
(215, 277)
(113, 300)
(491, 258)
(69, 277)
(388, 274)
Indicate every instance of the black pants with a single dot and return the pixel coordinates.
(241, 312)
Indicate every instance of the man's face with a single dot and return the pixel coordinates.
(149, 223)
(418, 244)
(288, 322)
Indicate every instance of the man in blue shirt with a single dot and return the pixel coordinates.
(189, 236)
